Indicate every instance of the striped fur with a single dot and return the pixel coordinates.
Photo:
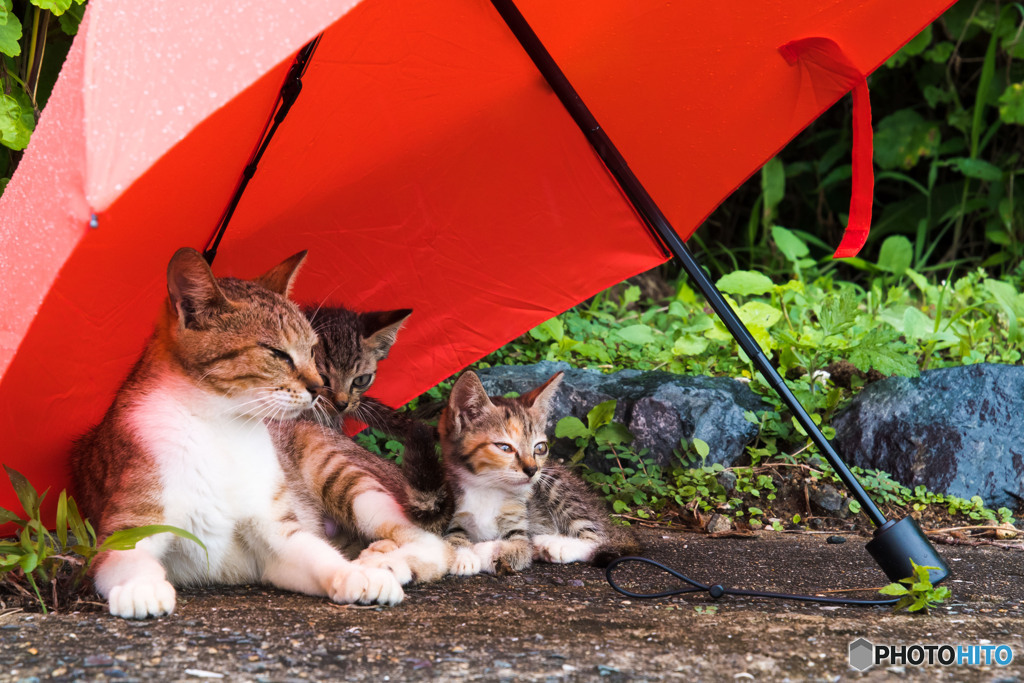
(512, 506)
(185, 443)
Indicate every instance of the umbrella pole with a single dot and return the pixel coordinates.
(895, 543)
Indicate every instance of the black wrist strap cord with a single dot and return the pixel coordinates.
(718, 590)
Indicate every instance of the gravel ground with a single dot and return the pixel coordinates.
(550, 623)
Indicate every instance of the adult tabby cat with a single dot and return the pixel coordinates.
(185, 443)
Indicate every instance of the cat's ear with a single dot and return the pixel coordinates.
(280, 278)
(192, 287)
(380, 329)
(540, 398)
(468, 401)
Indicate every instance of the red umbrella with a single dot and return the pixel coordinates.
(426, 164)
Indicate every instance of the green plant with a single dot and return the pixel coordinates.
(38, 556)
(916, 592)
(379, 443)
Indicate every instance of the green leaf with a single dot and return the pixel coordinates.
(549, 330)
(916, 46)
(773, 186)
(791, 246)
(62, 519)
(1011, 104)
(10, 36)
(70, 20)
(620, 506)
(17, 121)
(745, 282)
(125, 539)
(917, 325)
(636, 334)
(8, 516)
(977, 168)
(28, 562)
(631, 295)
(701, 446)
(903, 138)
(689, 345)
(759, 314)
(57, 7)
(1011, 303)
(894, 589)
(896, 254)
(613, 433)
(600, 415)
(27, 495)
(571, 427)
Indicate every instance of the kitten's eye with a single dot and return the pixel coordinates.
(541, 448)
(362, 381)
(280, 355)
(504, 447)
(325, 379)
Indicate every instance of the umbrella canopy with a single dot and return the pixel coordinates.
(426, 164)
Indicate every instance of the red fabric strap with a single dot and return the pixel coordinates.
(832, 73)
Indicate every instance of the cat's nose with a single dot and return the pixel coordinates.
(342, 406)
(314, 389)
(529, 470)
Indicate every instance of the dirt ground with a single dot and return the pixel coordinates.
(550, 623)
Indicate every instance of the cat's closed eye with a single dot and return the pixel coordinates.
(280, 355)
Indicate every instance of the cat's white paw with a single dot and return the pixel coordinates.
(562, 549)
(365, 585)
(386, 561)
(466, 562)
(141, 598)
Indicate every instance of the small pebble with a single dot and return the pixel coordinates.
(576, 583)
(836, 539)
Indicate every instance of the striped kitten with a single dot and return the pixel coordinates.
(362, 498)
(351, 345)
(185, 443)
(511, 505)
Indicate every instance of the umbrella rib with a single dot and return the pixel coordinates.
(286, 98)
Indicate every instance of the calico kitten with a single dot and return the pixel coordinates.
(185, 443)
(501, 503)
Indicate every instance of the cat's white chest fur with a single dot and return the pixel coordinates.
(219, 476)
(478, 511)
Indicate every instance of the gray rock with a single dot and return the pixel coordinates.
(826, 497)
(955, 430)
(659, 408)
(718, 524)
